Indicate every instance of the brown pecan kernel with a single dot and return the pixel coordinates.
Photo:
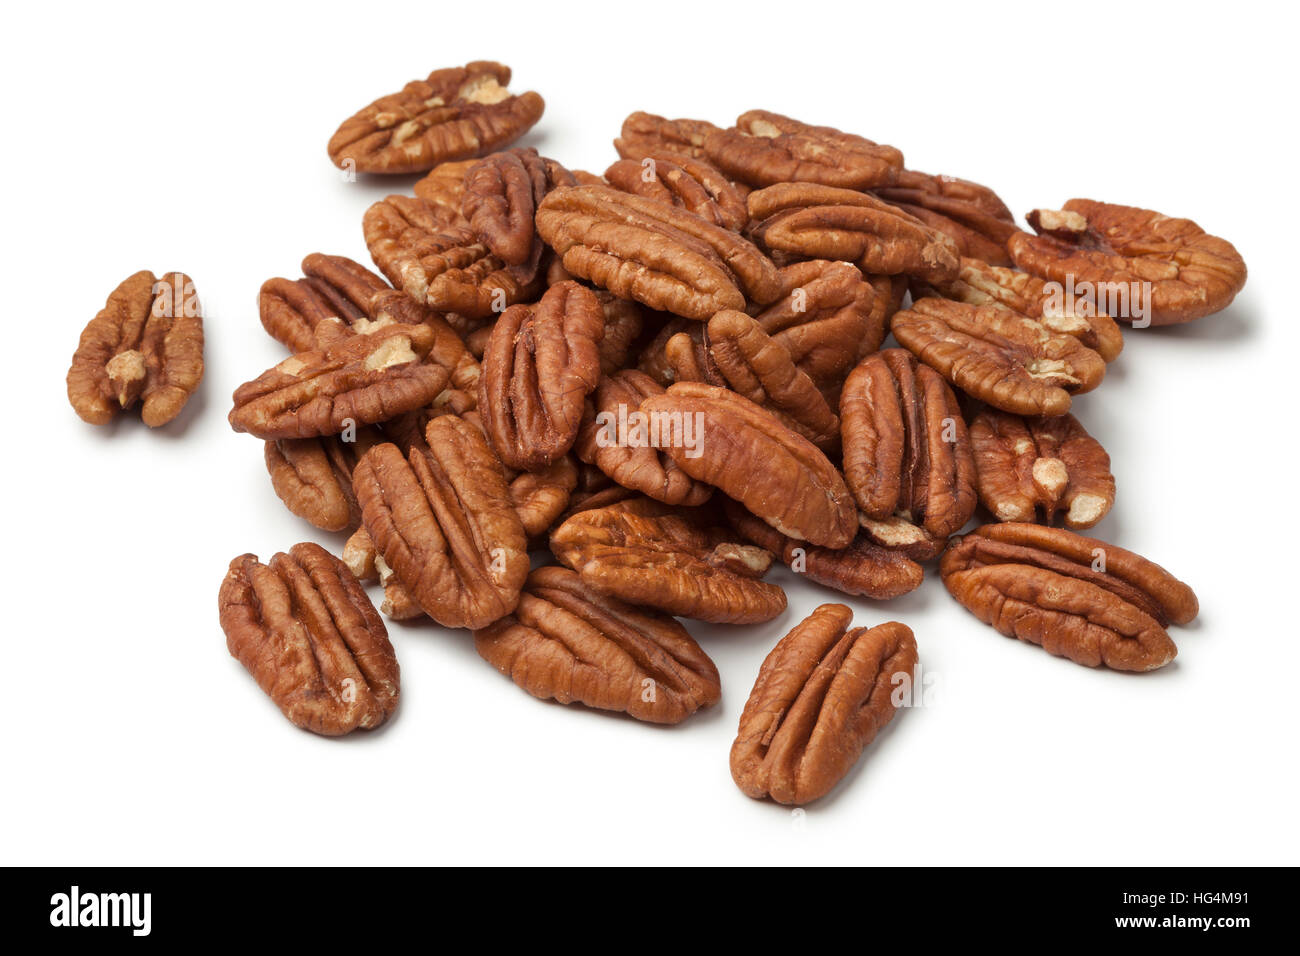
(1008, 360)
(313, 477)
(541, 363)
(1051, 468)
(1076, 597)
(645, 133)
(623, 322)
(304, 628)
(360, 381)
(333, 287)
(766, 148)
(970, 214)
(455, 113)
(568, 643)
(693, 184)
(146, 343)
(821, 696)
(540, 497)
(501, 196)
(444, 187)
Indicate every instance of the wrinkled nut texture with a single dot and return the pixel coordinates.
(645, 133)
(313, 477)
(453, 114)
(1076, 597)
(623, 323)
(823, 222)
(743, 450)
(304, 628)
(565, 642)
(970, 214)
(334, 291)
(766, 148)
(444, 187)
(821, 697)
(540, 497)
(145, 344)
(650, 554)
(501, 196)
(693, 184)
(1172, 267)
(540, 365)
(1008, 360)
(1041, 469)
(654, 253)
(442, 520)
(361, 380)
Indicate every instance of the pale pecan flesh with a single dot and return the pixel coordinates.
(566, 642)
(313, 476)
(646, 133)
(765, 148)
(360, 381)
(1048, 469)
(970, 214)
(693, 184)
(304, 628)
(541, 363)
(1076, 597)
(821, 697)
(501, 196)
(145, 344)
(454, 113)
(1140, 266)
(1000, 357)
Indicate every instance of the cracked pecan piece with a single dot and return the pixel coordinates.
(1041, 468)
(453, 114)
(658, 255)
(907, 453)
(442, 520)
(313, 477)
(359, 381)
(970, 214)
(501, 196)
(540, 365)
(146, 344)
(646, 133)
(650, 554)
(1138, 264)
(695, 185)
(766, 148)
(1076, 597)
(820, 698)
(303, 627)
(1002, 358)
(822, 222)
(566, 642)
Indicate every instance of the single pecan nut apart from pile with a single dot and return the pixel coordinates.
(145, 344)
(822, 222)
(313, 476)
(1048, 469)
(304, 628)
(746, 452)
(821, 697)
(765, 148)
(441, 519)
(501, 196)
(361, 380)
(648, 553)
(1000, 357)
(541, 363)
(970, 214)
(693, 184)
(1146, 266)
(657, 254)
(566, 642)
(646, 133)
(455, 113)
(1076, 597)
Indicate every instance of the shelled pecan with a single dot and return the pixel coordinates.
(500, 200)
(646, 133)
(444, 187)
(313, 476)
(970, 214)
(677, 180)
(765, 148)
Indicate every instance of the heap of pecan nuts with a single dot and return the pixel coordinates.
(578, 406)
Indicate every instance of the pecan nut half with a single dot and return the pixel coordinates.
(567, 643)
(455, 113)
(1005, 359)
(1076, 597)
(1048, 468)
(765, 148)
(1146, 266)
(541, 363)
(540, 497)
(146, 343)
(313, 476)
(359, 381)
(646, 133)
(444, 187)
(970, 214)
(442, 520)
(333, 289)
(820, 698)
(304, 628)
(693, 184)
(501, 196)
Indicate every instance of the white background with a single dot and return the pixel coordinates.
(158, 137)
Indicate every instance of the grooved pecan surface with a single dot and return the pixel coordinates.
(541, 363)
(501, 196)
(623, 323)
(970, 214)
(1076, 597)
(454, 113)
(1008, 360)
(540, 497)
(444, 187)
(693, 184)
(821, 696)
(361, 380)
(1179, 270)
(332, 288)
(568, 643)
(646, 133)
(1051, 468)
(313, 477)
(145, 344)
(304, 628)
(765, 148)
